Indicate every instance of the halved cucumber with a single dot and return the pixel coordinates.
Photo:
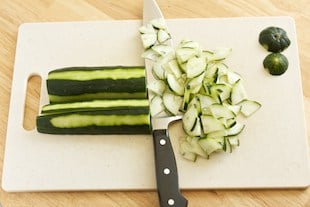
(114, 121)
(89, 83)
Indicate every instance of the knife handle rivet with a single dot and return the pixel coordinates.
(162, 142)
(170, 202)
(166, 171)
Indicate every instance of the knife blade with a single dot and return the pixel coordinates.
(165, 164)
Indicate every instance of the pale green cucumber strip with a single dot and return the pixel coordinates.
(83, 75)
(79, 120)
(97, 104)
(92, 96)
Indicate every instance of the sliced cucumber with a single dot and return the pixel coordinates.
(147, 29)
(163, 50)
(191, 122)
(184, 54)
(233, 77)
(187, 151)
(176, 85)
(195, 146)
(221, 91)
(163, 36)
(234, 108)
(227, 145)
(195, 84)
(173, 67)
(159, 23)
(158, 71)
(156, 106)
(201, 87)
(206, 101)
(195, 66)
(211, 124)
(220, 54)
(148, 40)
(157, 86)
(172, 102)
(218, 111)
(210, 145)
(235, 129)
(233, 140)
(150, 55)
(249, 107)
(238, 93)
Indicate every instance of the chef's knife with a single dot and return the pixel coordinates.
(166, 169)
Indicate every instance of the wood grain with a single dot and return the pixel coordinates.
(15, 12)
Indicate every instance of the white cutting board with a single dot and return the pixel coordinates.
(273, 151)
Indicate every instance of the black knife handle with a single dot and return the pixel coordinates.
(166, 171)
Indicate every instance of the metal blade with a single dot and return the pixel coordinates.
(151, 11)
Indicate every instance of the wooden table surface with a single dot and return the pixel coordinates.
(15, 12)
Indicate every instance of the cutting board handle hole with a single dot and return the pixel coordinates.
(32, 102)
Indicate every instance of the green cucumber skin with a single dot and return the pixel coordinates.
(74, 87)
(97, 130)
(95, 96)
(76, 84)
(115, 105)
(44, 125)
(65, 69)
(121, 110)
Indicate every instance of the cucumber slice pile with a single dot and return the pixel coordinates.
(197, 84)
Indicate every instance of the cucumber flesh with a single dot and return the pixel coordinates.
(114, 121)
(148, 40)
(210, 145)
(211, 124)
(156, 106)
(94, 105)
(195, 66)
(249, 107)
(163, 36)
(157, 86)
(190, 121)
(238, 93)
(177, 86)
(172, 102)
(184, 54)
